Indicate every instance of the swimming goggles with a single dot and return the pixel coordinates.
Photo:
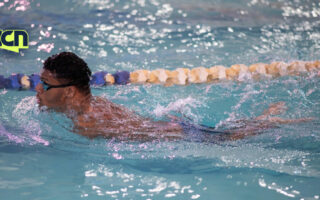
(47, 86)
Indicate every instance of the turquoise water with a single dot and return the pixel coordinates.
(41, 158)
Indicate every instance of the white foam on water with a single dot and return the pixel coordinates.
(4, 91)
(180, 105)
(23, 113)
(10, 136)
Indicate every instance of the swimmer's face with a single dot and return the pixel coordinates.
(51, 97)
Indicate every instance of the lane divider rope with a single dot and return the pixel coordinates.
(179, 76)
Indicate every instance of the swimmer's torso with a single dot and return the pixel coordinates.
(104, 118)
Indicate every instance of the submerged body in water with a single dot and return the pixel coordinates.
(65, 88)
(104, 118)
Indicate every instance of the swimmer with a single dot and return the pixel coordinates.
(65, 88)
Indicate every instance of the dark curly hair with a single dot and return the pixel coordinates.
(70, 67)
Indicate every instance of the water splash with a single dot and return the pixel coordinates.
(180, 105)
(23, 112)
(10, 136)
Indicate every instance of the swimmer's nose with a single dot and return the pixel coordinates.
(39, 88)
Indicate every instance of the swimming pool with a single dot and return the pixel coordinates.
(40, 157)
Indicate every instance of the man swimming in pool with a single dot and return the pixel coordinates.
(65, 88)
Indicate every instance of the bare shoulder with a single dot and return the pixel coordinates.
(105, 118)
(102, 105)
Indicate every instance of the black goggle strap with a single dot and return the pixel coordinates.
(46, 86)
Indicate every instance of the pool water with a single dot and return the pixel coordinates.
(41, 158)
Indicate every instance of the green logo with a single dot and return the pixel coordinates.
(14, 40)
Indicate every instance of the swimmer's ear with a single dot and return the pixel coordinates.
(70, 91)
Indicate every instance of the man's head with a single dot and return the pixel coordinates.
(64, 76)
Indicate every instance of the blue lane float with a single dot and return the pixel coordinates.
(121, 78)
(34, 80)
(179, 76)
(23, 82)
(13, 81)
(97, 78)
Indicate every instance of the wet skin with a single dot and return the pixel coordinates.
(96, 116)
